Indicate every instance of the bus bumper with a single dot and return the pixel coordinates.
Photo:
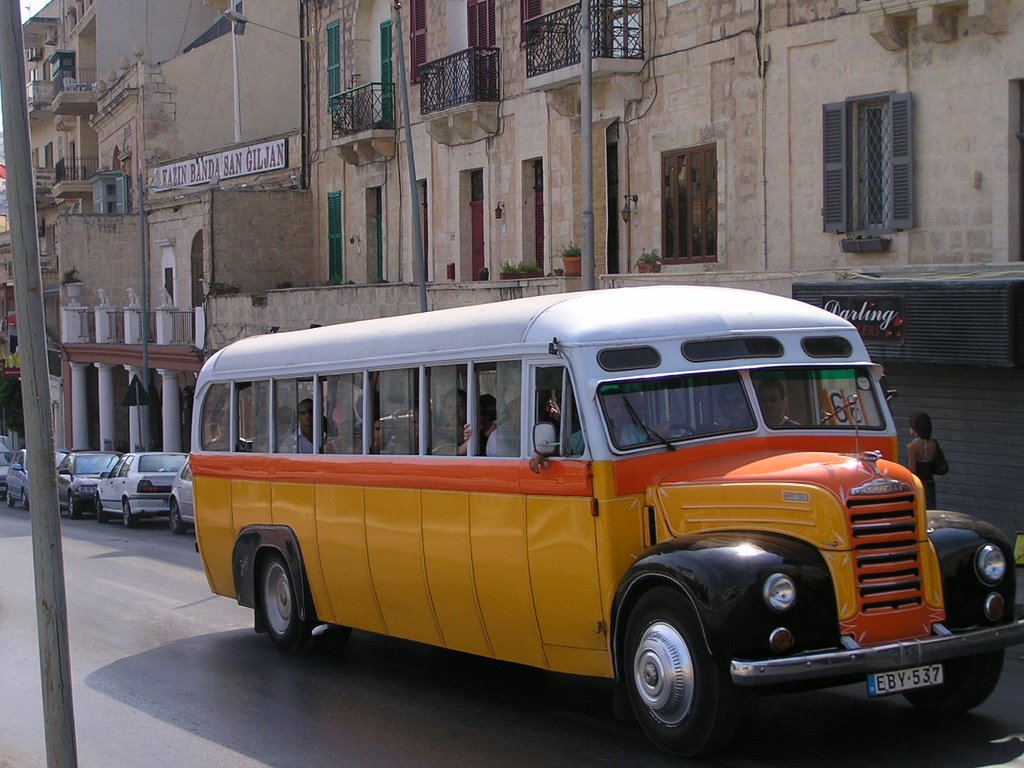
(879, 658)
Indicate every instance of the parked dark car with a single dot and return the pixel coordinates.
(77, 477)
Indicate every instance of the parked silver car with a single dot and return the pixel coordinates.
(138, 486)
(78, 476)
(182, 509)
(17, 476)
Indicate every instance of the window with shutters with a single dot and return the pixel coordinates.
(689, 205)
(334, 79)
(335, 233)
(868, 164)
(418, 37)
(528, 9)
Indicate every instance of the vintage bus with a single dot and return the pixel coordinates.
(692, 491)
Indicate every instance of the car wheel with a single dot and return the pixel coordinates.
(174, 518)
(24, 500)
(126, 514)
(74, 512)
(10, 498)
(684, 700)
(967, 682)
(288, 632)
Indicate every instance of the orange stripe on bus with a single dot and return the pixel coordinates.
(560, 478)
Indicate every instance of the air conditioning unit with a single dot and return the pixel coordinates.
(34, 54)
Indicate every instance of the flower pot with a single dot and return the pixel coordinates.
(74, 291)
(646, 269)
(572, 265)
(865, 244)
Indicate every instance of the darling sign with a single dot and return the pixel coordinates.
(876, 319)
(241, 161)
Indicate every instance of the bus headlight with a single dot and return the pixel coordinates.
(990, 564)
(779, 592)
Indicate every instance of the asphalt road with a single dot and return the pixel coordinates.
(166, 674)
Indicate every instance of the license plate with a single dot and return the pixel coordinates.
(899, 680)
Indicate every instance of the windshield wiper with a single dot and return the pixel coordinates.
(638, 422)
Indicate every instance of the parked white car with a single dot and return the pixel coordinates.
(138, 486)
(182, 512)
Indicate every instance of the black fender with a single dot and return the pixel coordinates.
(251, 542)
(956, 538)
(721, 575)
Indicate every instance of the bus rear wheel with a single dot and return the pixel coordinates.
(684, 701)
(288, 631)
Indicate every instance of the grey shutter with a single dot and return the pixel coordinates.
(121, 200)
(902, 162)
(835, 208)
(99, 199)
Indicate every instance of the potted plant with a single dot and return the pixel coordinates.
(865, 243)
(571, 260)
(72, 284)
(510, 271)
(649, 261)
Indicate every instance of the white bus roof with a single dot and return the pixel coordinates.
(606, 317)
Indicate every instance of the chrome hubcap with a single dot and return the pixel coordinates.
(663, 673)
(277, 598)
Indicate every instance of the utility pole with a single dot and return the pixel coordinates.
(48, 556)
(418, 256)
(588, 265)
(144, 268)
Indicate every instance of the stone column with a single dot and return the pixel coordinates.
(135, 414)
(106, 394)
(170, 411)
(79, 406)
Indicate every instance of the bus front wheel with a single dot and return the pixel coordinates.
(684, 701)
(281, 616)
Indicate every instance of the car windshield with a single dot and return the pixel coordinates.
(670, 409)
(93, 465)
(161, 463)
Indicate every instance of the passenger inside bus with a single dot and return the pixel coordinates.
(771, 394)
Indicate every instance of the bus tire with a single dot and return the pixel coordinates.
(967, 682)
(289, 633)
(684, 701)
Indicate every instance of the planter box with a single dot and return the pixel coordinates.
(865, 245)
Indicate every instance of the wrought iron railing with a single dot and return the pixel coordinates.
(73, 80)
(81, 171)
(182, 326)
(465, 77)
(553, 41)
(370, 106)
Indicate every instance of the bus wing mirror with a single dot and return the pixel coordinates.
(545, 439)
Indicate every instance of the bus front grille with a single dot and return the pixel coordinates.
(887, 557)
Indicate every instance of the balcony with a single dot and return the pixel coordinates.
(45, 178)
(105, 324)
(72, 179)
(460, 93)
(364, 121)
(552, 44)
(74, 92)
(40, 98)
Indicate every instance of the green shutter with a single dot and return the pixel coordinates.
(333, 59)
(387, 97)
(902, 163)
(335, 230)
(835, 207)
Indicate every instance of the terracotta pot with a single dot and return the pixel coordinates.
(645, 269)
(572, 266)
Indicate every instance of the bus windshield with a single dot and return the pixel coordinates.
(652, 411)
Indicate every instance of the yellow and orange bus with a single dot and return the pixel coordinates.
(690, 490)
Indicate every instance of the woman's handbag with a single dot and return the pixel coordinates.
(940, 465)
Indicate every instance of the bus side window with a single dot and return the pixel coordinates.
(288, 394)
(253, 422)
(506, 438)
(343, 413)
(552, 400)
(448, 410)
(214, 427)
(398, 411)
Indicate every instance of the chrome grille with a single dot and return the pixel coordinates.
(886, 554)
